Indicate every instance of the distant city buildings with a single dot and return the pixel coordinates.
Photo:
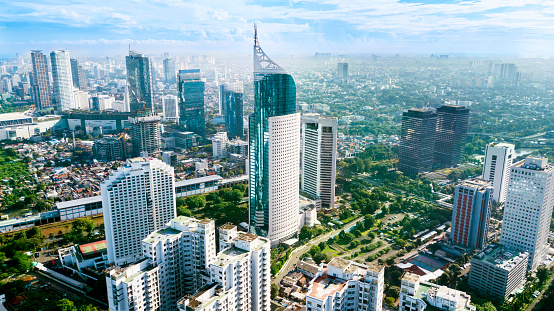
(471, 213)
(137, 200)
(78, 75)
(274, 151)
(417, 141)
(140, 84)
(110, 149)
(528, 209)
(191, 101)
(40, 81)
(219, 145)
(496, 168)
(452, 126)
(170, 107)
(145, 134)
(498, 271)
(319, 157)
(342, 72)
(169, 71)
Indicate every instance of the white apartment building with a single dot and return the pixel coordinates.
(346, 286)
(319, 157)
(219, 145)
(496, 168)
(137, 200)
(528, 209)
(170, 107)
(81, 100)
(63, 80)
(417, 296)
(240, 278)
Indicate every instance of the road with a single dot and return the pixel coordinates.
(535, 301)
(296, 253)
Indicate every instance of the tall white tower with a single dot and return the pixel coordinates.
(170, 108)
(319, 157)
(496, 169)
(137, 200)
(528, 208)
(63, 80)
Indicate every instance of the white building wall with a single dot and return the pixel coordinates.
(496, 168)
(63, 80)
(170, 108)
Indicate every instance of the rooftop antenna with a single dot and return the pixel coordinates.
(255, 35)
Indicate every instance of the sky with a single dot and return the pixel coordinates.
(523, 28)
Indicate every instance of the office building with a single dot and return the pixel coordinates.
(498, 271)
(342, 72)
(319, 157)
(81, 99)
(417, 141)
(452, 125)
(139, 82)
(274, 151)
(346, 285)
(240, 277)
(496, 168)
(137, 199)
(416, 295)
(191, 101)
(40, 81)
(170, 74)
(78, 75)
(110, 149)
(145, 134)
(219, 145)
(170, 108)
(471, 213)
(528, 209)
(232, 108)
(62, 80)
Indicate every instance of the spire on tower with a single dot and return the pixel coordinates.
(262, 63)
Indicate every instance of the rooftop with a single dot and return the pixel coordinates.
(227, 226)
(501, 256)
(248, 237)
(326, 285)
(198, 180)
(161, 235)
(93, 248)
(229, 256)
(73, 203)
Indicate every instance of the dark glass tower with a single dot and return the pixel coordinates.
(191, 101)
(274, 138)
(140, 85)
(232, 105)
(169, 71)
(78, 73)
(452, 124)
(40, 81)
(417, 141)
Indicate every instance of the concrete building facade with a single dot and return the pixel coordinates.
(496, 168)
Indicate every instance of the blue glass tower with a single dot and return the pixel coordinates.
(191, 101)
(232, 105)
(140, 84)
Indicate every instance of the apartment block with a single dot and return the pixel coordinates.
(496, 168)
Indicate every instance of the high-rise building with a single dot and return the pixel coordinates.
(62, 80)
(137, 199)
(81, 99)
(232, 108)
(452, 124)
(191, 101)
(170, 74)
(110, 149)
(496, 168)
(354, 287)
(170, 108)
(145, 134)
(140, 83)
(319, 157)
(219, 145)
(528, 208)
(342, 72)
(274, 151)
(498, 271)
(78, 74)
(471, 213)
(40, 81)
(417, 141)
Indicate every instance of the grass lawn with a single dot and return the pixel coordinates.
(329, 251)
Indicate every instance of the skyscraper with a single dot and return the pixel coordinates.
(471, 213)
(319, 157)
(63, 81)
(40, 81)
(137, 200)
(496, 168)
(417, 141)
(145, 134)
(233, 110)
(452, 124)
(342, 72)
(169, 71)
(528, 208)
(170, 108)
(78, 74)
(274, 151)
(139, 80)
(191, 101)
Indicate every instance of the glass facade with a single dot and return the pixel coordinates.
(275, 95)
(140, 85)
(233, 106)
(191, 101)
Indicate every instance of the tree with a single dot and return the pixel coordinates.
(183, 211)
(274, 290)
(305, 233)
(21, 262)
(197, 201)
(42, 206)
(66, 305)
(81, 224)
(315, 250)
(394, 292)
(390, 301)
(487, 306)
(180, 202)
(369, 222)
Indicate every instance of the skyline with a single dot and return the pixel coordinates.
(93, 28)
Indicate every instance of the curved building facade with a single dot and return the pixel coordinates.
(274, 137)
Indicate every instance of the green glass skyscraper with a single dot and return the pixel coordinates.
(191, 101)
(274, 138)
(140, 85)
